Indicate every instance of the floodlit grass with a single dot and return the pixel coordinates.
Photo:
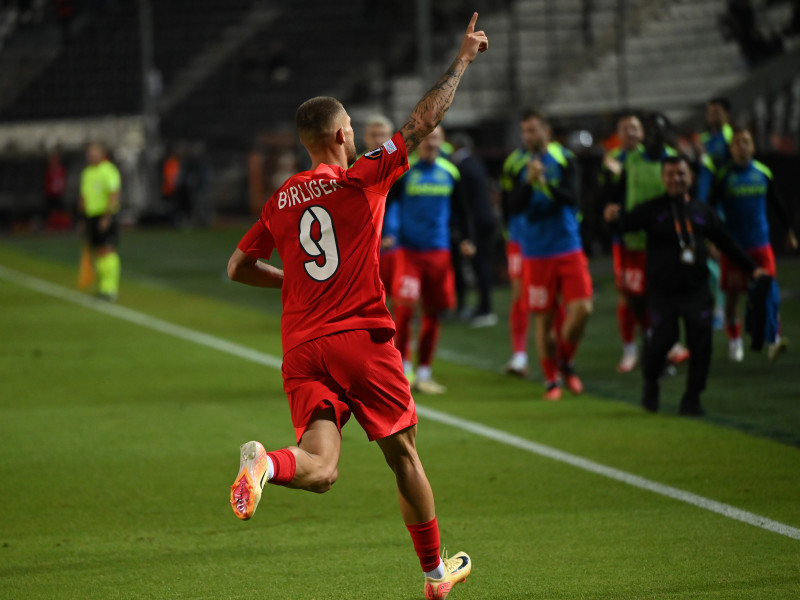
(120, 444)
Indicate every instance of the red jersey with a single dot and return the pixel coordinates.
(326, 226)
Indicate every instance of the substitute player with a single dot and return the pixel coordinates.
(555, 269)
(519, 319)
(338, 356)
(428, 197)
(630, 134)
(99, 203)
(742, 193)
(715, 142)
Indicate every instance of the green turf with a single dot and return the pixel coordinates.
(119, 444)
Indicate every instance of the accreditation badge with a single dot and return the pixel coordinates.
(687, 256)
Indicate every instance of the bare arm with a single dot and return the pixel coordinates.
(113, 202)
(243, 268)
(430, 110)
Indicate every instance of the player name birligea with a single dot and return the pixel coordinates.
(306, 191)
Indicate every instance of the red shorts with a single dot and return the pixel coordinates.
(545, 279)
(388, 269)
(425, 275)
(630, 270)
(514, 259)
(349, 372)
(734, 279)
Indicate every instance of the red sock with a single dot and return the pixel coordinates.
(428, 335)
(402, 319)
(566, 351)
(549, 368)
(519, 319)
(426, 543)
(284, 465)
(733, 329)
(627, 322)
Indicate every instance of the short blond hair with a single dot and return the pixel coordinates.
(315, 119)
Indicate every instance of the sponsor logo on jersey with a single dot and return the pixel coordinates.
(390, 147)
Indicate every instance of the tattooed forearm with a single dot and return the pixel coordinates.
(430, 110)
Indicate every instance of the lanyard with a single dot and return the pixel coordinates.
(688, 227)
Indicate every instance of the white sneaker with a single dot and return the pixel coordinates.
(777, 348)
(518, 365)
(736, 350)
(678, 354)
(484, 320)
(428, 386)
(629, 360)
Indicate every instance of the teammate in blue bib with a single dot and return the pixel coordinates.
(557, 286)
(426, 198)
(742, 192)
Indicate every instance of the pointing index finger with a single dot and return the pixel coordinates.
(471, 26)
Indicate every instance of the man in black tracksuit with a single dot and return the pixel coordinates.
(677, 227)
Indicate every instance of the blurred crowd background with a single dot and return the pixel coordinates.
(195, 99)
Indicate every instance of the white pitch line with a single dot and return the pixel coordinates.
(503, 437)
(132, 316)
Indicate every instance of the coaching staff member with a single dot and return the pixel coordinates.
(677, 227)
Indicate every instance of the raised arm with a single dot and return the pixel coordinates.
(430, 110)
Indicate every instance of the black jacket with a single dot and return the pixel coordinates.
(667, 274)
(476, 190)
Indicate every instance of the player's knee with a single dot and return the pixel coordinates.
(582, 309)
(324, 479)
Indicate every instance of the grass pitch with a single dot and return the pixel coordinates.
(120, 444)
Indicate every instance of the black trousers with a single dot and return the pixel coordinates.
(481, 264)
(695, 309)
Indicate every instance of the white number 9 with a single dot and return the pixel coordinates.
(325, 246)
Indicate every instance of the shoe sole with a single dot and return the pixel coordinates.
(429, 391)
(245, 505)
(517, 372)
